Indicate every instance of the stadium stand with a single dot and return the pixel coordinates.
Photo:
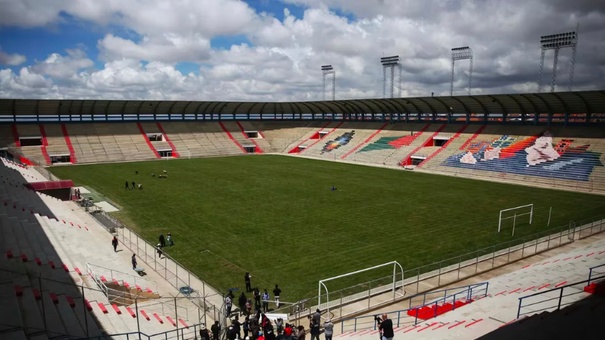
(343, 139)
(278, 136)
(578, 163)
(57, 145)
(200, 139)
(553, 276)
(53, 266)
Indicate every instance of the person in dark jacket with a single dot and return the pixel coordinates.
(204, 334)
(247, 278)
(216, 330)
(386, 328)
(314, 329)
(241, 302)
(114, 243)
(256, 299)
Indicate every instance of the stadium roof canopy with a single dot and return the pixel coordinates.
(551, 102)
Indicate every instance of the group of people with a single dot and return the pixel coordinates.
(259, 327)
(134, 186)
(261, 300)
(163, 242)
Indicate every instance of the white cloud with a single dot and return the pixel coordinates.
(11, 59)
(167, 47)
(61, 67)
(141, 58)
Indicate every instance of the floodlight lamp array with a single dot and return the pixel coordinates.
(553, 41)
(327, 68)
(390, 61)
(460, 53)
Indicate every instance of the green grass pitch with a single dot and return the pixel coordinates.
(276, 217)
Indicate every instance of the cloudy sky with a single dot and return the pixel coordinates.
(272, 50)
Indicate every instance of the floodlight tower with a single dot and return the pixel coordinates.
(329, 70)
(557, 42)
(462, 53)
(391, 63)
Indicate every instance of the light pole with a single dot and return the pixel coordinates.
(390, 63)
(329, 70)
(556, 42)
(462, 53)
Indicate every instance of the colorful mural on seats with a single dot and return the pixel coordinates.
(386, 143)
(533, 156)
(339, 141)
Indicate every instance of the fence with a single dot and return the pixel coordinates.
(400, 317)
(78, 320)
(595, 272)
(448, 271)
(177, 275)
(590, 228)
(553, 299)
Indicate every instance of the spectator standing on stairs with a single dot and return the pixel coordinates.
(134, 261)
(114, 243)
(386, 327)
(328, 329)
(216, 330)
(204, 335)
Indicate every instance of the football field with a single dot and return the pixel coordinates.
(276, 217)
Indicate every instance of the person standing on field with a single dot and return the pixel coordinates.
(265, 301)
(276, 293)
(247, 278)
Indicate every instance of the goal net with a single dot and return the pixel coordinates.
(512, 217)
(359, 284)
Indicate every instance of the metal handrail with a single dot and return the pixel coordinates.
(587, 281)
(591, 270)
(467, 291)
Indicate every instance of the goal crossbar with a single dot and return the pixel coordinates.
(531, 214)
(321, 284)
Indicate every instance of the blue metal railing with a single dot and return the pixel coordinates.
(463, 293)
(557, 300)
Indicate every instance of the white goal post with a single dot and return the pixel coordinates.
(322, 283)
(523, 210)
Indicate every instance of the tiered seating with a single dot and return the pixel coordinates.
(200, 139)
(342, 140)
(102, 142)
(152, 127)
(393, 143)
(57, 250)
(500, 306)
(34, 153)
(56, 140)
(237, 134)
(578, 164)
(311, 136)
(283, 136)
(262, 142)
